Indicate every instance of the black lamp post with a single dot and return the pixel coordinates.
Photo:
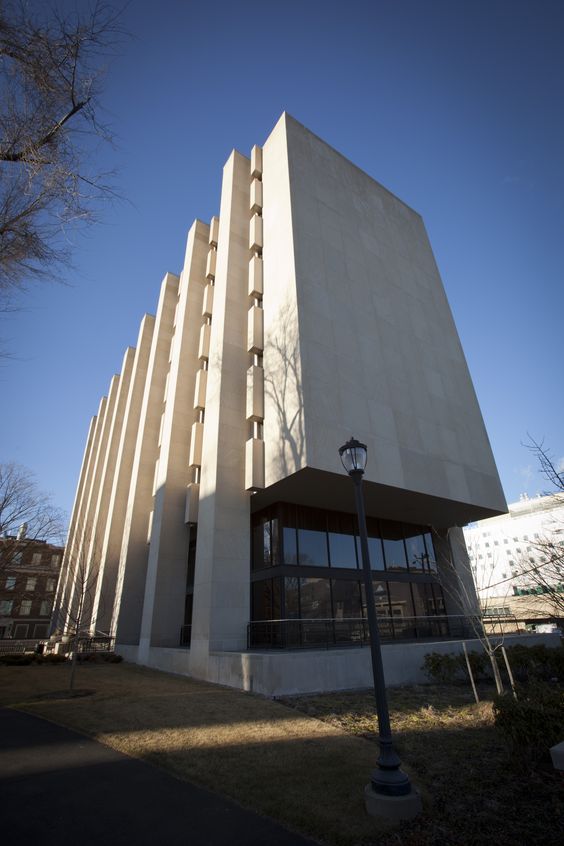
(387, 779)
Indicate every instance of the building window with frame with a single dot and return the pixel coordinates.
(342, 541)
(25, 608)
(291, 598)
(315, 599)
(10, 583)
(31, 583)
(394, 547)
(347, 599)
(312, 547)
(415, 548)
(6, 606)
(290, 544)
(36, 559)
(45, 608)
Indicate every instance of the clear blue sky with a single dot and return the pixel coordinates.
(457, 106)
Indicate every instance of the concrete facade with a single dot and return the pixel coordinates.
(309, 310)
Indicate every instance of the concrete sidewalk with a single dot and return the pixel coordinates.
(59, 787)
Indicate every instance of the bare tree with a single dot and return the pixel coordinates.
(470, 594)
(548, 467)
(543, 572)
(51, 72)
(26, 514)
(76, 594)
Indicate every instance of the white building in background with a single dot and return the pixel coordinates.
(504, 551)
(310, 310)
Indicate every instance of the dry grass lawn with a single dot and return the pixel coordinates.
(305, 773)
(306, 760)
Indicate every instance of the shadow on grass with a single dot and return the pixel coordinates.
(310, 775)
(478, 795)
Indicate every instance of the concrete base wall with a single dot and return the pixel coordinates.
(158, 658)
(314, 671)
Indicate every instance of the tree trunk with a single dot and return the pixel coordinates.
(476, 697)
(496, 673)
(73, 666)
(509, 673)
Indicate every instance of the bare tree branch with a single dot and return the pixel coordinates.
(51, 78)
(546, 463)
(546, 576)
(77, 592)
(23, 505)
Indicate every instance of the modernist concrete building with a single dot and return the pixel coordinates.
(212, 494)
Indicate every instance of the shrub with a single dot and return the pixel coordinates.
(17, 659)
(536, 663)
(531, 724)
(441, 668)
(479, 663)
(99, 657)
(20, 659)
(449, 668)
(528, 664)
(53, 658)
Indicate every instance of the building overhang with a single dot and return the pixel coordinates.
(333, 491)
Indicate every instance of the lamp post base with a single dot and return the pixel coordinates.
(405, 807)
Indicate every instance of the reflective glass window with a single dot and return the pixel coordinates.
(261, 545)
(275, 541)
(290, 546)
(415, 548)
(266, 600)
(402, 609)
(25, 607)
(315, 598)
(427, 623)
(342, 550)
(312, 548)
(346, 599)
(430, 549)
(381, 598)
(423, 599)
(376, 553)
(381, 601)
(382, 606)
(375, 549)
(291, 598)
(394, 549)
(439, 599)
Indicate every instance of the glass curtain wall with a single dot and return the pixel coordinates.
(306, 577)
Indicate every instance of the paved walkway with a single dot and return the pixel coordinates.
(59, 788)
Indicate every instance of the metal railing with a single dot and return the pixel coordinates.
(331, 633)
(96, 644)
(9, 646)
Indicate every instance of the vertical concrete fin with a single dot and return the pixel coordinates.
(165, 590)
(221, 590)
(133, 554)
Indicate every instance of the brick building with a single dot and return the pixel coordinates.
(29, 572)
